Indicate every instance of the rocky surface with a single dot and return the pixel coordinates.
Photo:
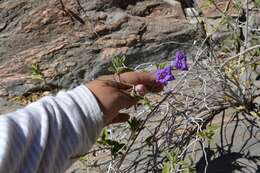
(234, 148)
(73, 42)
(76, 42)
(216, 10)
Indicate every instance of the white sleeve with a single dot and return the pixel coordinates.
(45, 136)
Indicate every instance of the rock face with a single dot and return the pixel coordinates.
(49, 45)
(215, 9)
(74, 42)
(65, 44)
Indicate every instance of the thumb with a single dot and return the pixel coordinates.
(140, 89)
(120, 118)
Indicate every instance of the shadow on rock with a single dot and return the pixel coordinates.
(124, 3)
(228, 162)
(236, 149)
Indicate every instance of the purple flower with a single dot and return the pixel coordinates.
(163, 76)
(180, 62)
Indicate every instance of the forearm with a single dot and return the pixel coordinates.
(46, 135)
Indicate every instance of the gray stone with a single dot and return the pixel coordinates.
(235, 149)
(191, 12)
(3, 92)
(209, 9)
(254, 23)
(68, 52)
(7, 106)
(116, 17)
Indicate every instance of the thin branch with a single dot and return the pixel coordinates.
(239, 54)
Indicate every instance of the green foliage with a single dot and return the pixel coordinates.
(257, 3)
(173, 159)
(135, 124)
(84, 160)
(221, 49)
(103, 137)
(225, 20)
(248, 112)
(166, 167)
(144, 100)
(36, 72)
(147, 103)
(231, 43)
(173, 162)
(148, 140)
(255, 114)
(207, 3)
(161, 65)
(257, 53)
(115, 146)
(208, 133)
(118, 64)
(211, 1)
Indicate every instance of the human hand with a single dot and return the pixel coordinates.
(114, 95)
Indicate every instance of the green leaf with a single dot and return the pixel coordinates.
(84, 159)
(104, 137)
(166, 167)
(37, 77)
(161, 65)
(255, 114)
(148, 140)
(135, 124)
(208, 133)
(173, 161)
(36, 72)
(118, 64)
(257, 52)
(116, 147)
(147, 103)
(213, 127)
